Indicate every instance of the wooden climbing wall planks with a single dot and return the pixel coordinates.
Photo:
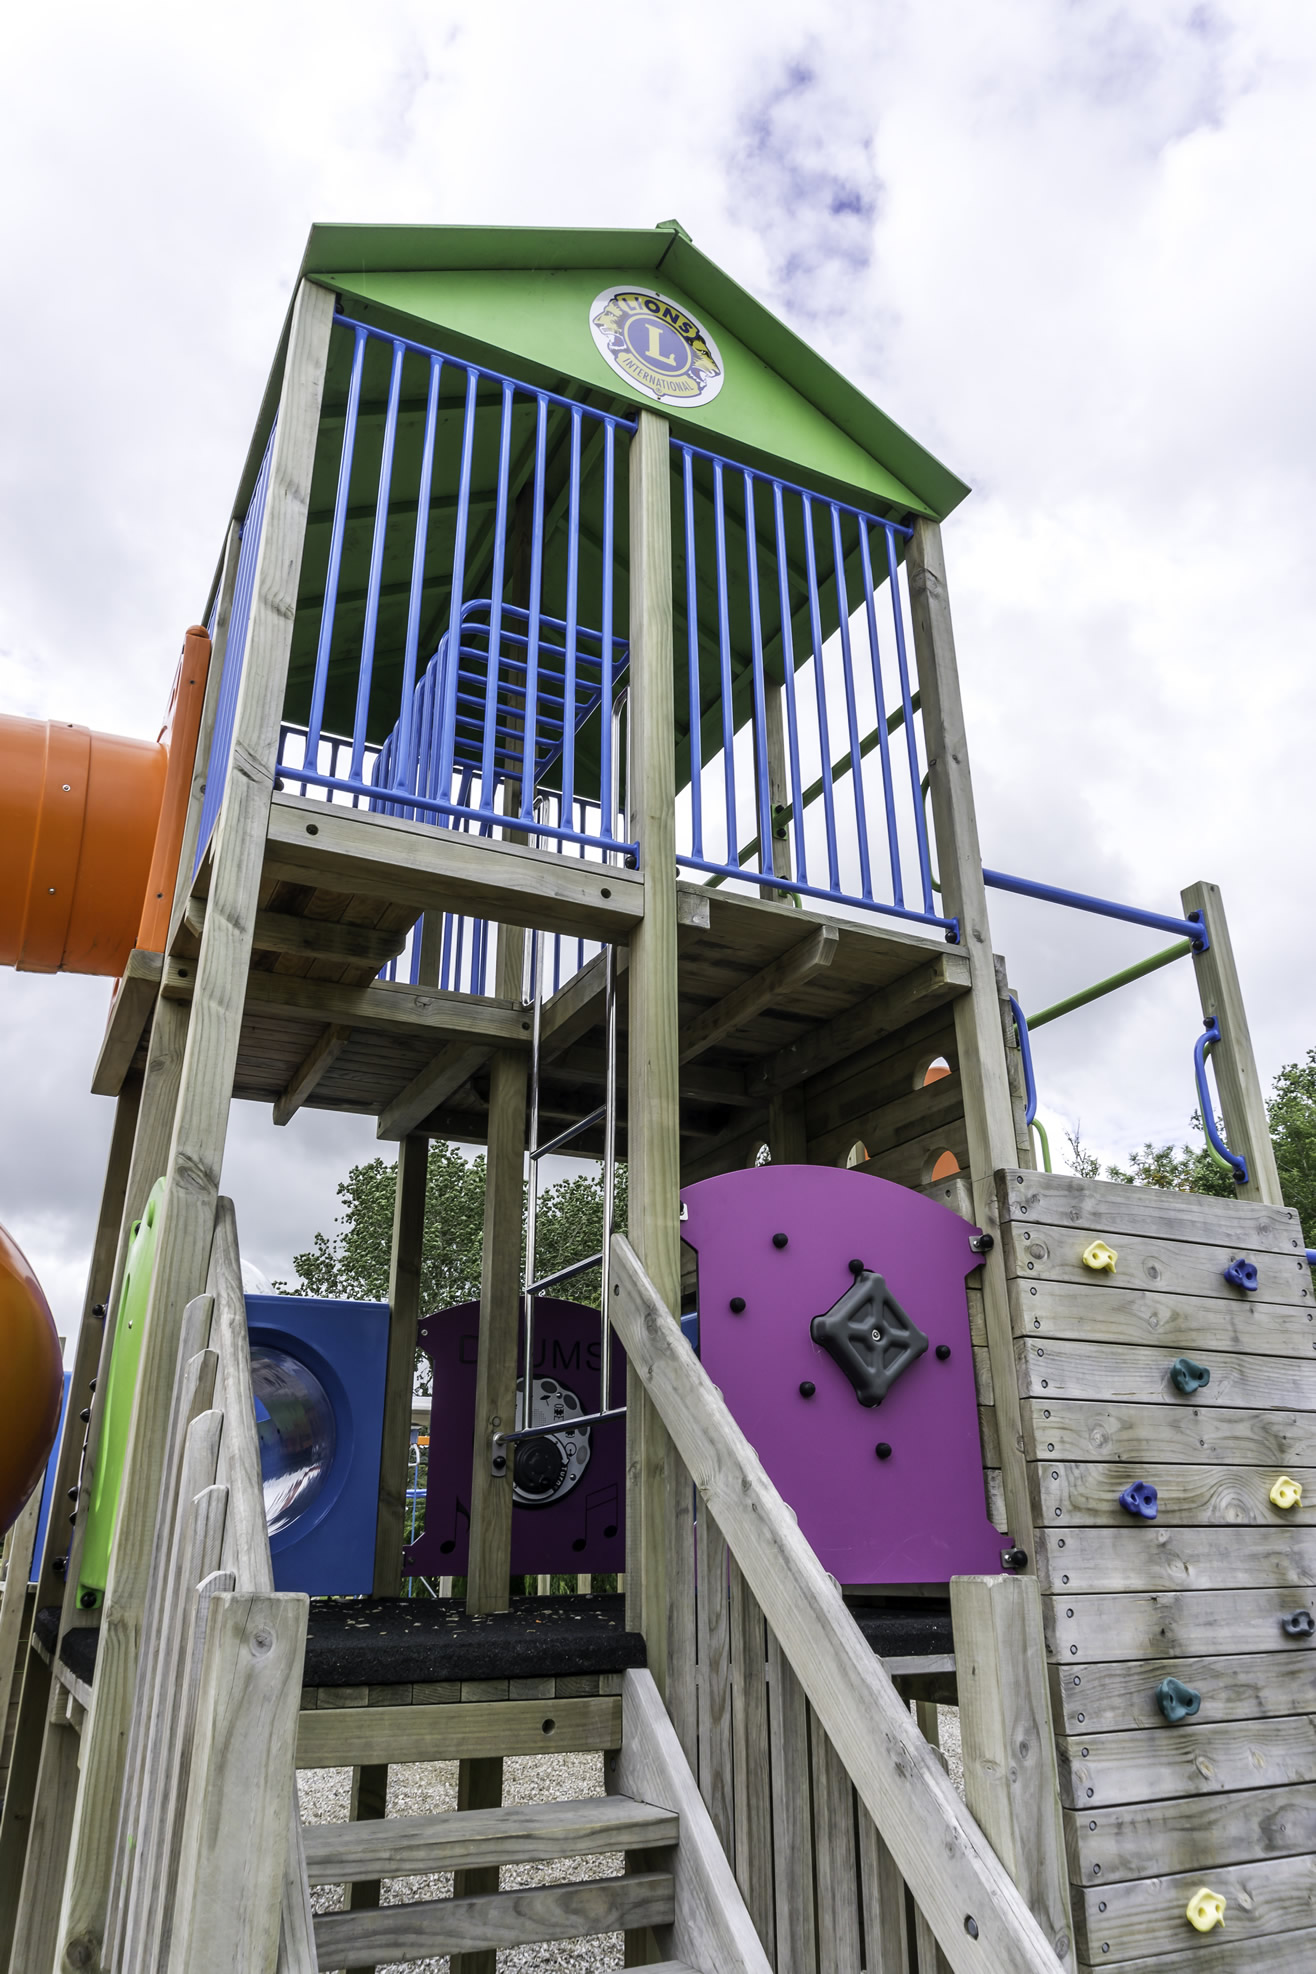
(1226, 1798)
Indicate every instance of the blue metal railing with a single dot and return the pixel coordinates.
(782, 656)
(510, 689)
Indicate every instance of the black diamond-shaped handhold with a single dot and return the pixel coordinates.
(869, 1335)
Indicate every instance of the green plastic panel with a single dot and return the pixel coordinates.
(120, 1387)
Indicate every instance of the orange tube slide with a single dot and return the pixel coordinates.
(92, 826)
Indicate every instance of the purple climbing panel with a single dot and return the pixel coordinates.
(569, 1501)
(916, 1514)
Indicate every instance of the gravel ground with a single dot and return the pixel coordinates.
(425, 1788)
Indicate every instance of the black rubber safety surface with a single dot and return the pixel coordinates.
(402, 1641)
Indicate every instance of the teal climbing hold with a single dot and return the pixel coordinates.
(1186, 1376)
(1177, 1701)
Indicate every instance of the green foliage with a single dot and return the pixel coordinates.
(1189, 1169)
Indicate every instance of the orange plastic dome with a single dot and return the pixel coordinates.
(31, 1382)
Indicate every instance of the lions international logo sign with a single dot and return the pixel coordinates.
(652, 342)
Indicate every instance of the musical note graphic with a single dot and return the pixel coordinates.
(595, 1504)
(460, 1509)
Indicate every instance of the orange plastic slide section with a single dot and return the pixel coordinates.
(92, 825)
(31, 1381)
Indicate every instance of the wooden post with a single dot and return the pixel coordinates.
(1247, 1128)
(1014, 1064)
(228, 577)
(1010, 1778)
(787, 1139)
(30, 1730)
(988, 1114)
(201, 1119)
(400, 1374)
(235, 1824)
(653, 1102)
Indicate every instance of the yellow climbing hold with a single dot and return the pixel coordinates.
(1098, 1256)
(1286, 1493)
(1206, 1910)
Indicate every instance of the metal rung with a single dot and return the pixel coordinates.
(572, 1131)
(561, 1426)
(564, 1274)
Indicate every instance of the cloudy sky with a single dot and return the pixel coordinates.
(1069, 245)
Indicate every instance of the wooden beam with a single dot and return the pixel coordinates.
(941, 1853)
(711, 1926)
(705, 1084)
(738, 1008)
(388, 1007)
(1247, 1128)
(412, 1846)
(228, 577)
(308, 938)
(312, 1069)
(883, 1013)
(429, 869)
(433, 1085)
(404, 1296)
(1010, 1779)
(341, 1737)
(462, 1926)
(984, 1078)
(652, 1045)
(135, 995)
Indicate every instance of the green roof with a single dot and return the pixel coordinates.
(518, 298)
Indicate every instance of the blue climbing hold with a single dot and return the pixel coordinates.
(1139, 1498)
(1177, 1701)
(1186, 1376)
(1243, 1274)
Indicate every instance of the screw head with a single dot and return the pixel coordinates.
(737, 1305)
(943, 1351)
(781, 1240)
(882, 1450)
(808, 1388)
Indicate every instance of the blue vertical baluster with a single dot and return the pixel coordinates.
(879, 699)
(452, 663)
(337, 533)
(497, 583)
(532, 629)
(221, 742)
(851, 712)
(367, 665)
(405, 760)
(567, 803)
(788, 680)
(724, 659)
(692, 641)
(820, 691)
(762, 790)
(911, 742)
(605, 702)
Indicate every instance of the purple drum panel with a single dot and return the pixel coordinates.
(569, 1492)
(889, 1491)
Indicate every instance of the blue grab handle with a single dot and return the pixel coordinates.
(1026, 1052)
(1208, 1038)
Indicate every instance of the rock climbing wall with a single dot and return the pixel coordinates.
(1166, 1349)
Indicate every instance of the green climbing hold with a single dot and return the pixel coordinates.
(1186, 1376)
(1177, 1701)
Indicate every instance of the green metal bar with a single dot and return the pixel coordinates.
(784, 811)
(1044, 1141)
(1175, 952)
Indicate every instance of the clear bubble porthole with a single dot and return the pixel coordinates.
(295, 1427)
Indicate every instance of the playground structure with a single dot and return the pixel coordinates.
(554, 769)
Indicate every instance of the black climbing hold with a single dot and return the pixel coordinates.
(808, 1388)
(1299, 1624)
(737, 1305)
(1139, 1498)
(943, 1351)
(870, 1337)
(1177, 1701)
(1186, 1376)
(882, 1450)
(781, 1240)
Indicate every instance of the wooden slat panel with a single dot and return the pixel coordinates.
(1086, 1493)
(792, 1830)
(715, 1750)
(494, 1919)
(1087, 1429)
(886, 1926)
(1191, 1623)
(434, 1734)
(1102, 1206)
(1148, 1917)
(1195, 1759)
(1097, 1699)
(1195, 1325)
(1067, 1369)
(836, 1862)
(752, 1782)
(1145, 1556)
(407, 1846)
(1281, 1953)
(1195, 1833)
(1055, 1254)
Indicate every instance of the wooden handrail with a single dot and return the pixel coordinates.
(973, 1906)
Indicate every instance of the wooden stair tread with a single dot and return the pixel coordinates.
(495, 1919)
(457, 1840)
